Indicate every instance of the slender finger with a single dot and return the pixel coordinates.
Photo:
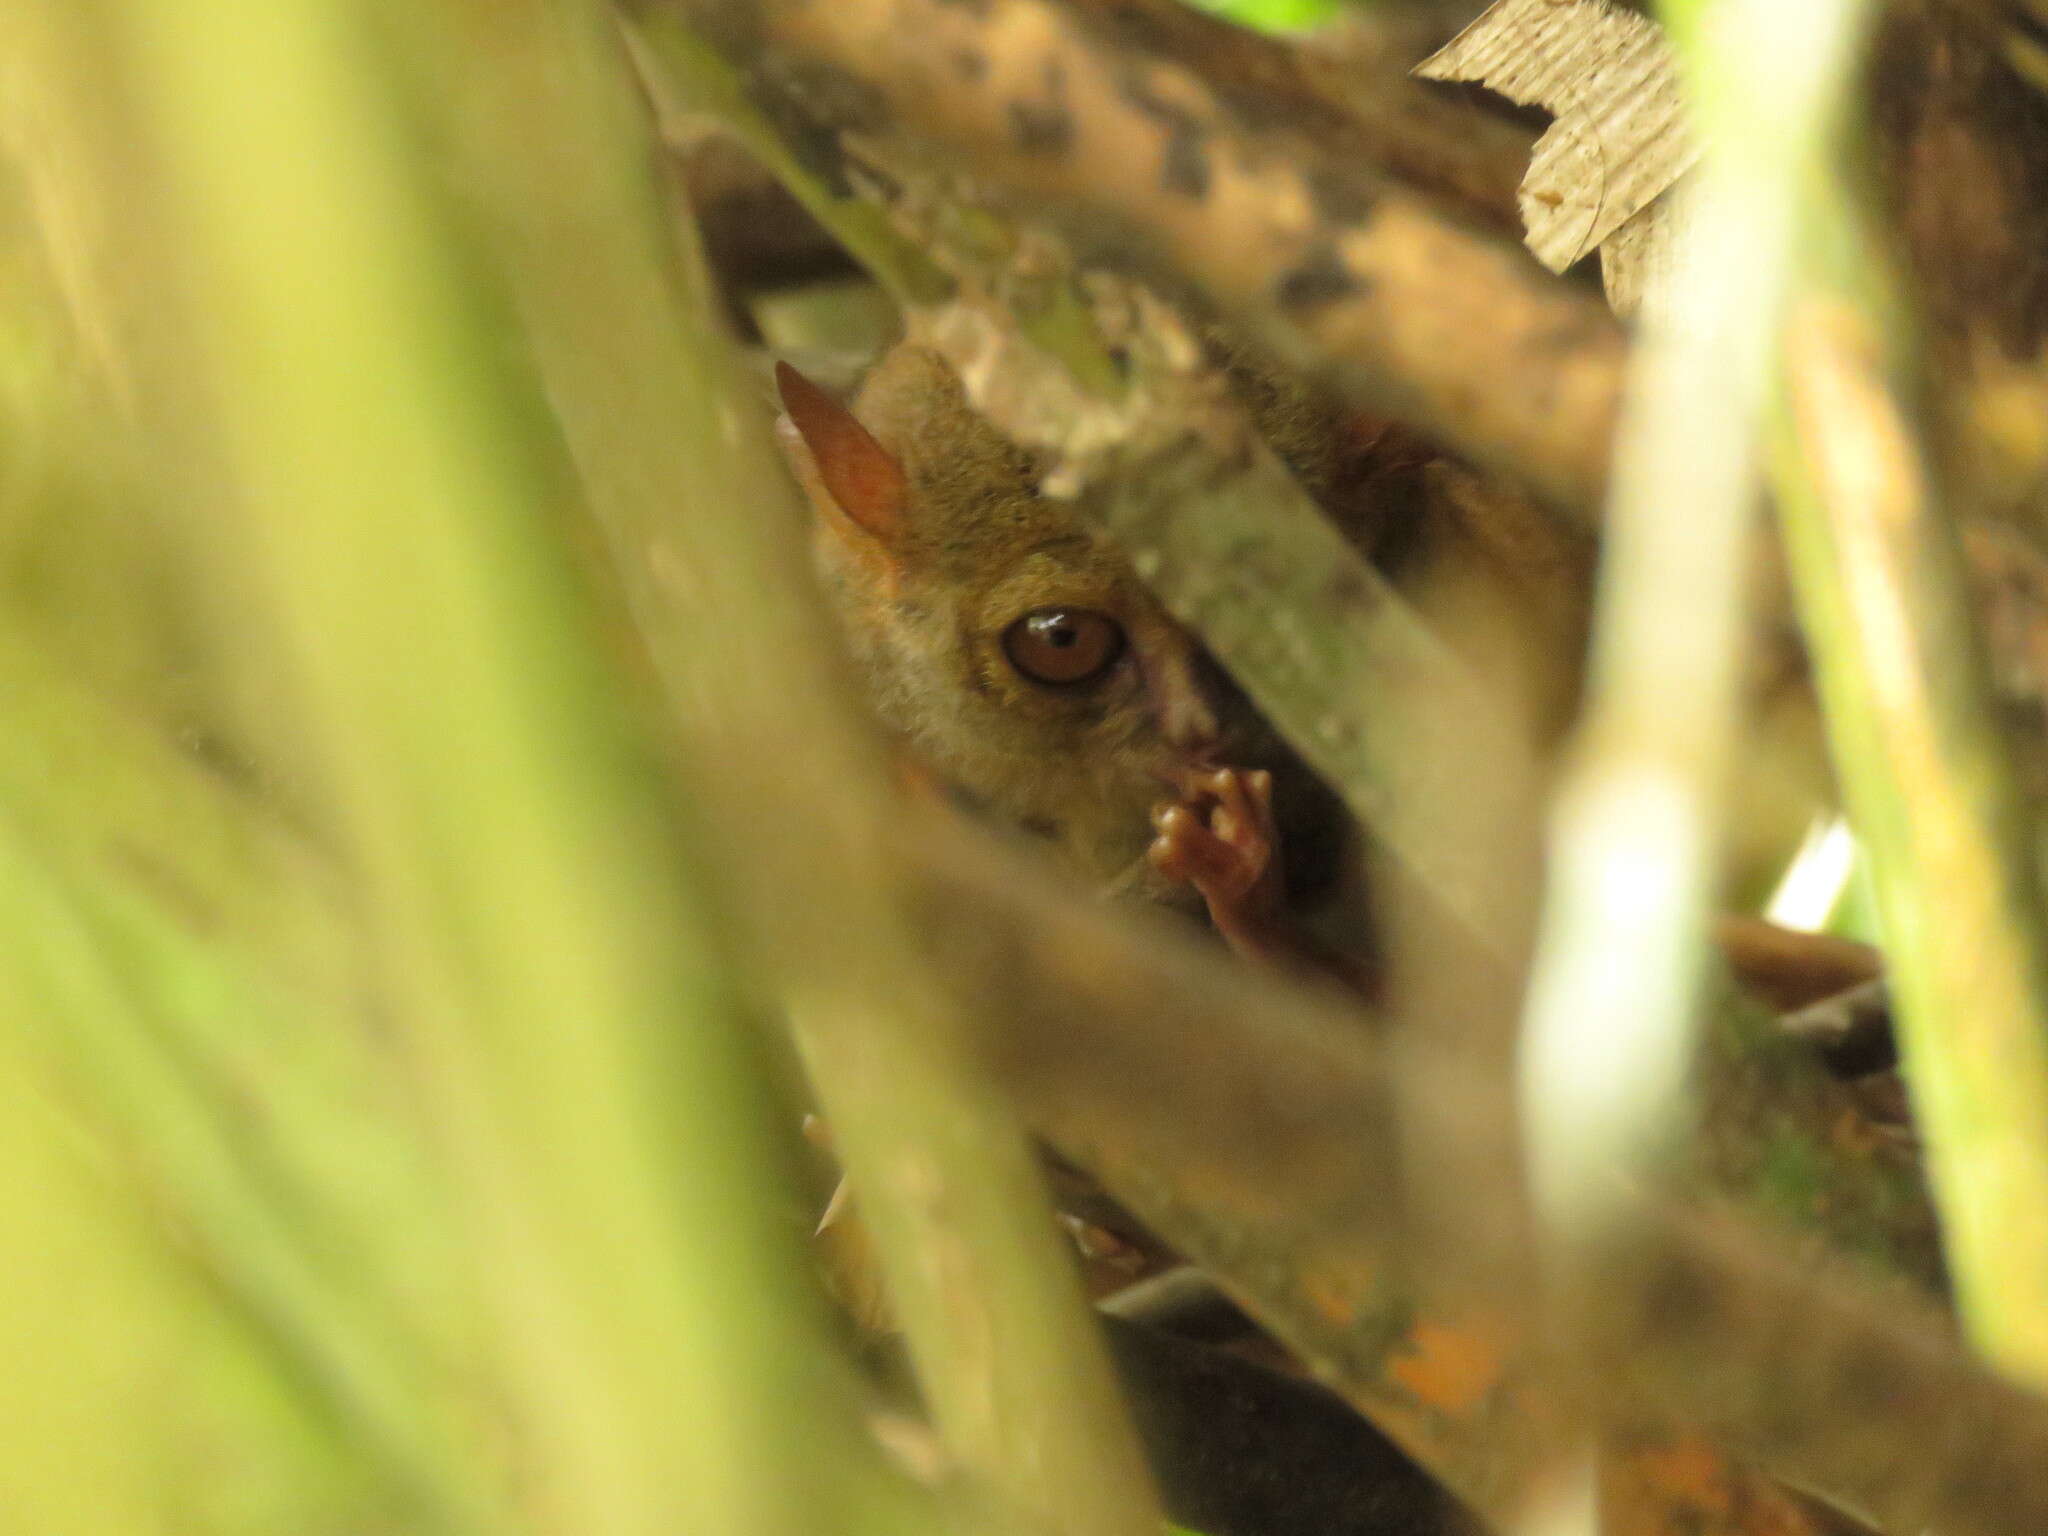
(1207, 860)
(1228, 785)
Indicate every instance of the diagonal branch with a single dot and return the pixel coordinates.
(1335, 268)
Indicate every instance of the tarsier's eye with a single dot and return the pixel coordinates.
(1063, 647)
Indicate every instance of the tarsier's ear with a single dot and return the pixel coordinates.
(860, 476)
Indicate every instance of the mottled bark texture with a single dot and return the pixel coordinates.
(1273, 211)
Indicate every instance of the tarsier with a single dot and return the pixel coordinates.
(1020, 658)
(1024, 664)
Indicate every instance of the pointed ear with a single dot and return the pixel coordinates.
(862, 478)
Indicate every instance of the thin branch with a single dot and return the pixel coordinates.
(1861, 1399)
(686, 77)
(1434, 762)
(1234, 546)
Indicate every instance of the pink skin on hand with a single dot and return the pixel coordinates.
(1220, 838)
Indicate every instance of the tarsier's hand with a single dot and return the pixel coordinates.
(1219, 837)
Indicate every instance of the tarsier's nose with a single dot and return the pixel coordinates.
(1182, 702)
(1191, 726)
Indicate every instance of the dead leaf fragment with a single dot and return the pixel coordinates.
(1619, 141)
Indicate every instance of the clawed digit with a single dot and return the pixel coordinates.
(1220, 838)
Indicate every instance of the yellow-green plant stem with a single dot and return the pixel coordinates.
(699, 514)
(172, 1039)
(1951, 852)
(1613, 1001)
(547, 955)
(87, 1307)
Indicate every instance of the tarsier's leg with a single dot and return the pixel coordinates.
(1220, 837)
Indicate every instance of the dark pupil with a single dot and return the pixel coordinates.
(1059, 646)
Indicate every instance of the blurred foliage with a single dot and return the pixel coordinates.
(1276, 15)
(356, 1120)
(391, 1144)
(396, 1150)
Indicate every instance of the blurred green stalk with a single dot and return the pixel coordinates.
(167, 1022)
(705, 534)
(1885, 601)
(1611, 1017)
(547, 954)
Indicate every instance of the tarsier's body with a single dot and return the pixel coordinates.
(1020, 658)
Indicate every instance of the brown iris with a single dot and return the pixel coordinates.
(1063, 647)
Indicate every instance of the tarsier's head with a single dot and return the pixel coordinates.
(1013, 647)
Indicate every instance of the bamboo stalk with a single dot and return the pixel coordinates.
(1614, 1006)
